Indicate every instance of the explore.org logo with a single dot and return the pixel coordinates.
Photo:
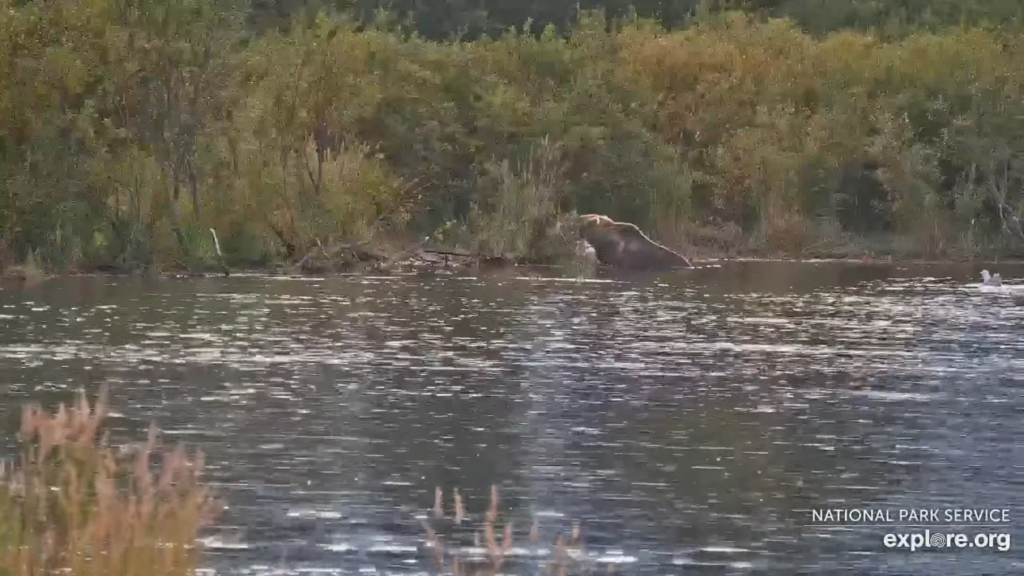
(924, 528)
(927, 539)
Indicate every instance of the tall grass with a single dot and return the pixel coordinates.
(519, 213)
(75, 505)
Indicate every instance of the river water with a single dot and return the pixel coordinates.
(689, 422)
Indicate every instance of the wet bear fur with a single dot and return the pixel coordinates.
(623, 245)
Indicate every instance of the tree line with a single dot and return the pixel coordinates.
(444, 19)
(130, 128)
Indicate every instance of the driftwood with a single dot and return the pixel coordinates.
(465, 258)
(320, 259)
(450, 253)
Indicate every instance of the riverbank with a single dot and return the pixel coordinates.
(19, 279)
(737, 135)
(385, 257)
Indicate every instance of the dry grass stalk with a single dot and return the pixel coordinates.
(560, 550)
(460, 509)
(487, 538)
(77, 506)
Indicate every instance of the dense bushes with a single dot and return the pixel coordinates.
(129, 129)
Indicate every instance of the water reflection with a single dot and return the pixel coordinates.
(688, 420)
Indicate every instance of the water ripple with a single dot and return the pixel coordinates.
(686, 421)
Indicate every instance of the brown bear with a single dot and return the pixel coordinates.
(623, 245)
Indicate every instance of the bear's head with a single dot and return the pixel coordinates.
(600, 232)
(590, 222)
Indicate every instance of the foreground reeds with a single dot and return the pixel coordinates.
(442, 534)
(76, 505)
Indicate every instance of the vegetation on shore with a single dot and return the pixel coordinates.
(129, 130)
(75, 505)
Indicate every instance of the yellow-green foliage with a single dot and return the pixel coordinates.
(520, 214)
(299, 169)
(127, 130)
(777, 120)
(75, 505)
